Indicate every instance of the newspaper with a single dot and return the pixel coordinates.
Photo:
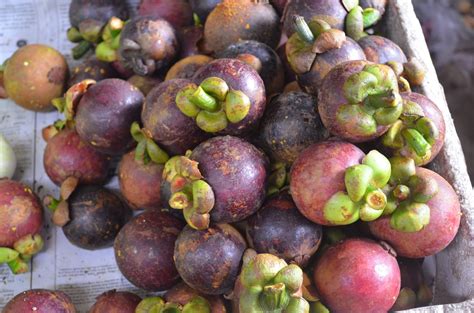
(82, 274)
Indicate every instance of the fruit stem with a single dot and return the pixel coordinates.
(416, 141)
(203, 100)
(274, 297)
(81, 49)
(302, 28)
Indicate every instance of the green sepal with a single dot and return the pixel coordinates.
(410, 217)
(341, 210)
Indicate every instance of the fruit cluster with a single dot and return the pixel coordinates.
(279, 168)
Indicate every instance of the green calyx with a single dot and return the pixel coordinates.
(158, 305)
(364, 197)
(147, 150)
(189, 192)
(413, 135)
(68, 104)
(278, 179)
(359, 19)
(271, 285)
(373, 99)
(318, 307)
(409, 196)
(213, 104)
(309, 40)
(17, 258)
(106, 50)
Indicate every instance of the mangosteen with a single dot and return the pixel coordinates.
(228, 97)
(144, 83)
(268, 284)
(315, 49)
(280, 229)
(103, 113)
(335, 183)
(187, 67)
(203, 7)
(148, 45)
(177, 12)
(164, 121)
(190, 41)
(419, 133)
(358, 101)
(209, 260)
(426, 213)
(40, 301)
(262, 58)
(67, 155)
(34, 75)
(144, 250)
(358, 275)
(222, 180)
(88, 20)
(21, 214)
(379, 49)
(290, 124)
(234, 20)
(116, 302)
(90, 216)
(93, 69)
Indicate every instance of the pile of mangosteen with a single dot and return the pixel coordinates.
(271, 154)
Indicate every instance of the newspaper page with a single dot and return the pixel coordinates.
(82, 274)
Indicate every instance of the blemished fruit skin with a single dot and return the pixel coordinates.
(209, 260)
(279, 228)
(177, 12)
(21, 212)
(169, 127)
(140, 183)
(357, 275)
(105, 114)
(91, 68)
(318, 173)
(35, 75)
(379, 49)
(144, 250)
(445, 216)
(96, 216)
(101, 11)
(237, 172)
(67, 155)
(40, 301)
(115, 302)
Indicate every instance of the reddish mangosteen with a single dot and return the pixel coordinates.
(140, 172)
(190, 40)
(164, 121)
(234, 20)
(103, 113)
(262, 58)
(268, 284)
(379, 49)
(359, 100)
(144, 83)
(280, 229)
(228, 97)
(222, 180)
(177, 12)
(115, 302)
(93, 69)
(290, 124)
(315, 49)
(67, 155)
(209, 260)
(144, 250)
(148, 45)
(335, 183)
(88, 19)
(21, 214)
(331, 11)
(187, 67)
(90, 216)
(203, 7)
(358, 275)
(419, 133)
(428, 217)
(40, 301)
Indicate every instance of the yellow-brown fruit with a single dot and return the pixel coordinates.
(35, 75)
